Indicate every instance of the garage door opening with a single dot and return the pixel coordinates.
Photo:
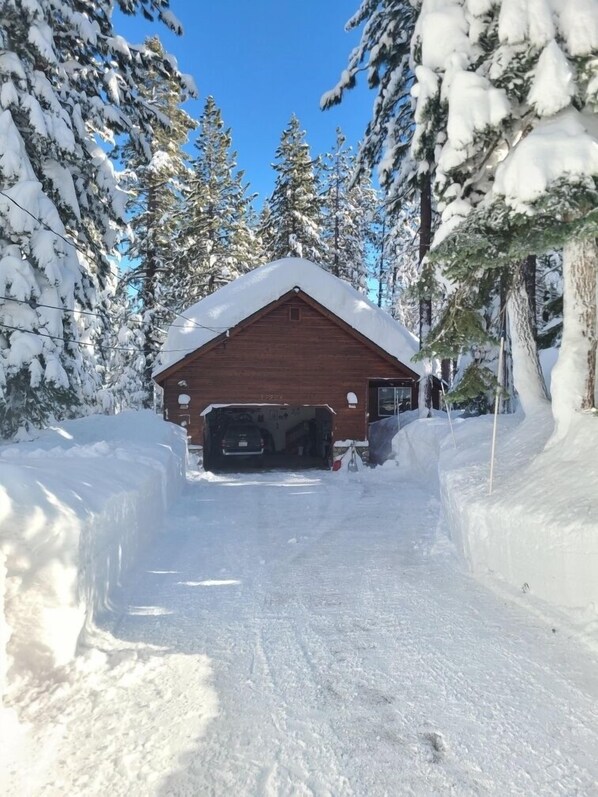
(239, 437)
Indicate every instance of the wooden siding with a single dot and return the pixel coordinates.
(276, 360)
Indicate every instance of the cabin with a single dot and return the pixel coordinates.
(295, 351)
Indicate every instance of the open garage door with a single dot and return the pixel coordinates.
(238, 437)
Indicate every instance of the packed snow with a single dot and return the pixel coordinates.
(77, 504)
(538, 530)
(312, 634)
(300, 633)
(227, 307)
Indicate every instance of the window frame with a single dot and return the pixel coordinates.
(406, 389)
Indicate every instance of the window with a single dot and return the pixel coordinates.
(392, 400)
(294, 314)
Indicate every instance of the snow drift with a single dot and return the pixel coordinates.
(76, 506)
(538, 531)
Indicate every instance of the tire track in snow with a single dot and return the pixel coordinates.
(397, 712)
(357, 660)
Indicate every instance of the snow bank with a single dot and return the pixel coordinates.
(539, 528)
(380, 435)
(385, 442)
(76, 506)
(538, 531)
(231, 304)
(416, 447)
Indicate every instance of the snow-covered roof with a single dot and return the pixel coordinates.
(233, 303)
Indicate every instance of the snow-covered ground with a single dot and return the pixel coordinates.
(77, 505)
(313, 634)
(537, 533)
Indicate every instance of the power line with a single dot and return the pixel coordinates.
(86, 343)
(34, 304)
(43, 223)
(85, 254)
(180, 315)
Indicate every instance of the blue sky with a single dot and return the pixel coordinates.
(263, 60)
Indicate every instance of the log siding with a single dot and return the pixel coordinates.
(270, 359)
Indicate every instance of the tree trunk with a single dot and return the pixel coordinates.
(530, 280)
(425, 303)
(527, 373)
(381, 264)
(148, 295)
(336, 269)
(446, 372)
(574, 375)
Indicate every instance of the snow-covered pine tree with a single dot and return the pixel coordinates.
(155, 174)
(121, 351)
(257, 254)
(264, 232)
(348, 215)
(520, 174)
(294, 227)
(216, 244)
(384, 53)
(69, 85)
(401, 251)
(472, 319)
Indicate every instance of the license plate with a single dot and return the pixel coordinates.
(242, 443)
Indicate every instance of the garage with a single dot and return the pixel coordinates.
(287, 365)
(264, 436)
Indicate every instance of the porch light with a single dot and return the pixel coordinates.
(184, 401)
(352, 400)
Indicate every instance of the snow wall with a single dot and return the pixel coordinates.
(77, 505)
(538, 531)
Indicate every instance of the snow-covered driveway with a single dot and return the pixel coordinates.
(305, 634)
(350, 655)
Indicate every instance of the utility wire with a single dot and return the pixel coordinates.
(85, 254)
(43, 223)
(34, 304)
(85, 343)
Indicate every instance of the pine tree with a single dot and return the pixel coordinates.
(385, 54)
(217, 243)
(402, 275)
(294, 226)
(68, 84)
(472, 317)
(519, 176)
(549, 299)
(348, 214)
(155, 174)
(122, 351)
(265, 232)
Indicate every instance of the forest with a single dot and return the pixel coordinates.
(467, 211)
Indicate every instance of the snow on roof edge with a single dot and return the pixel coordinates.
(233, 303)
